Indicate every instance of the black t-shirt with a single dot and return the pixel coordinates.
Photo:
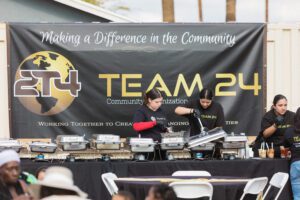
(211, 117)
(292, 140)
(144, 114)
(269, 119)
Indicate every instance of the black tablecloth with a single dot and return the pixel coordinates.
(221, 190)
(87, 174)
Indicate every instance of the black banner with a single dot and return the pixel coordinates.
(89, 78)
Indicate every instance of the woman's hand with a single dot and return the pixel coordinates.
(279, 120)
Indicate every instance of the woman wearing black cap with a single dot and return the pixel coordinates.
(210, 112)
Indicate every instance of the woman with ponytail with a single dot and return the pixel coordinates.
(149, 120)
(209, 111)
(274, 124)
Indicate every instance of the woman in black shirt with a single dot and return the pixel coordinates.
(149, 120)
(274, 124)
(292, 140)
(210, 112)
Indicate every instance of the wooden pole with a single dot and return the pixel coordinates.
(200, 10)
(168, 10)
(230, 10)
(267, 11)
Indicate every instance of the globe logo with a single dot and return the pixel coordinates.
(60, 85)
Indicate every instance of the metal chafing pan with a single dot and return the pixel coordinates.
(42, 147)
(173, 140)
(232, 141)
(233, 145)
(141, 144)
(105, 141)
(71, 142)
(172, 143)
(10, 144)
(204, 147)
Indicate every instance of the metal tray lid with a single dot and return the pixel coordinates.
(209, 136)
(141, 141)
(174, 134)
(70, 138)
(172, 140)
(42, 144)
(206, 146)
(236, 137)
(106, 138)
(9, 143)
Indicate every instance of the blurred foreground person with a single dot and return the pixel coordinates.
(123, 195)
(40, 173)
(11, 188)
(57, 184)
(292, 140)
(161, 192)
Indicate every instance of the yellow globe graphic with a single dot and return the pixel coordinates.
(59, 99)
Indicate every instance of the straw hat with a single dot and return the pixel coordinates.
(56, 177)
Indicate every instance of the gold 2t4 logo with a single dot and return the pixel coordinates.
(46, 83)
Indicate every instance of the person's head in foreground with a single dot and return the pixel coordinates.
(123, 195)
(40, 173)
(161, 192)
(9, 167)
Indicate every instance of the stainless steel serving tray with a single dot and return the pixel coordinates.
(10, 144)
(142, 144)
(105, 141)
(172, 143)
(71, 142)
(43, 147)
